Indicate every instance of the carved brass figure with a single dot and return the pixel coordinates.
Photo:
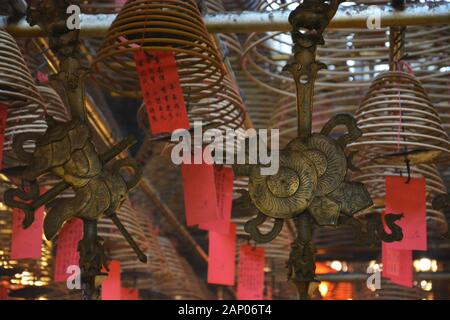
(67, 151)
(311, 185)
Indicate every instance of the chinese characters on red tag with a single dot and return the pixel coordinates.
(407, 198)
(161, 90)
(221, 262)
(223, 182)
(250, 273)
(67, 245)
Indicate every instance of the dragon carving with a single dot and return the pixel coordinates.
(66, 150)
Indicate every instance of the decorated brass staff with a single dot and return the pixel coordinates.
(66, 150)
(310, 186)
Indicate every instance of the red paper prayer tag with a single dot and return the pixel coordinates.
(409, 199)
(221, 262)
(3, 118)
(397, 265)
(112, 287)
(66, 252)
(250, 273)
(224, 179)
(161, 89)
(129, 294)
(27, 243)
(200, 197)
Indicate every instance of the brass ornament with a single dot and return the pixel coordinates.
(311, 185)
(66, 150)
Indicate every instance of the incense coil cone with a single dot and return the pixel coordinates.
(171, 26)
(397, 116)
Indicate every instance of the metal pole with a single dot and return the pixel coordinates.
(356, 16)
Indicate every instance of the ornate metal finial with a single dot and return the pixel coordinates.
(311, 185)
(66, 150)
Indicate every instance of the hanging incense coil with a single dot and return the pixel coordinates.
(18, 91)
(373, 176)
(391, 291)
(284, 114)
(353, 56)
(171, 26)
(22, 117)
(265, 54)
(429, 61)
(183, 284)
(55, 106)
(342, 238)
(259, 103)
(219, 110)
(120, 250)
(16, 83)
(396, 116)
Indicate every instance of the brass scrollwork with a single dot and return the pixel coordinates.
(311, 185)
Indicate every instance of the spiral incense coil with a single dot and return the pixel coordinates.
(373, 176)
(429, 61)
(183, 284)
(284, 115)
(396, 116)
(391, 291)
(16, 83)
(328, 237)
(194, 287)
(350, 54)
(218, 110)
(428, 50)
(259, 103)
(171, 26)
(120, 250)
(18, 91)
(55, 106)
(22, 117)
(353, 58)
